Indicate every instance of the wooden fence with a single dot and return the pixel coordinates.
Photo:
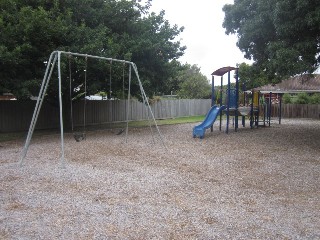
(297, 111)
(16, 115)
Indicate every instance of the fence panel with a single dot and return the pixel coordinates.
(297, 111)
(16, 115)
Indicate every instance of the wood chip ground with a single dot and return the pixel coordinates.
(252, 184)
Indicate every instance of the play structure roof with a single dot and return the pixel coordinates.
(302, 83)
(223, 70)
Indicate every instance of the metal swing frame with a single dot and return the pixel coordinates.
(55, 58)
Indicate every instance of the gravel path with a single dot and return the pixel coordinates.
(254, 184)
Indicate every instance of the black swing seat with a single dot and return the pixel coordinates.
(121, 131)
(79, 136)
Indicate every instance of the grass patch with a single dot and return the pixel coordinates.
(169, 121)
(22, 135)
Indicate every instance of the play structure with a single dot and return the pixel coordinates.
(55, 62)
(208, 121)
(253, 105)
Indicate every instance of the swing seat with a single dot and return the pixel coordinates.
(79, 136)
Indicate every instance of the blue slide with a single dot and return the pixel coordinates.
(198, 131)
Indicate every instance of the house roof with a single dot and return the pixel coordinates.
(7, 96)
(302, 83)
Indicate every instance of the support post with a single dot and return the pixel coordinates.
(61, 116)
(269, 110)
(258, 111)
(264, 114)
(212, 92)
(228, 106)
(220, 100)
(45, 82)
(237, 99)
(212, 96)
(252, 109)
(280, 107)
(144, 96)
(128, 105)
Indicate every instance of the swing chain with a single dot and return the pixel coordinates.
(78, 136)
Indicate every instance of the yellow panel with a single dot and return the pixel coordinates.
(255, 99)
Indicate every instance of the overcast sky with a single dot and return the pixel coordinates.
(207, 44)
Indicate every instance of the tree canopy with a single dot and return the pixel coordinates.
(192, 83)
(250, 76)
(122, 29)
(281, 36)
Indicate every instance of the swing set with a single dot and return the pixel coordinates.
(78, 135)
(55, 59)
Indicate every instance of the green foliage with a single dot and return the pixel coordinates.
(154, 99)
(193, 84)
(217, 95)
(286, 98)
(302, 98)
(250, 76)
(102, 94)
(314, 98)
(281, 36)
(31, 30)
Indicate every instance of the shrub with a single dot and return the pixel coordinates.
(302, 98)
(314, 98)
(154, 99)
(286, 98)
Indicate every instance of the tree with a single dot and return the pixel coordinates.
(281, 36)
(31, 30)
(173, 74)
(22, 49)
(157, 51)
(193, 84)
(250, 76)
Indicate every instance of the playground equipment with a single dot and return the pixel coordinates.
(254, 105)
(55, 59)
(199, 131)
(80, 135)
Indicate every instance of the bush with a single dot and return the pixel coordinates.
(302, 98)
(314, 98)
(286, 98)
(154, 99)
